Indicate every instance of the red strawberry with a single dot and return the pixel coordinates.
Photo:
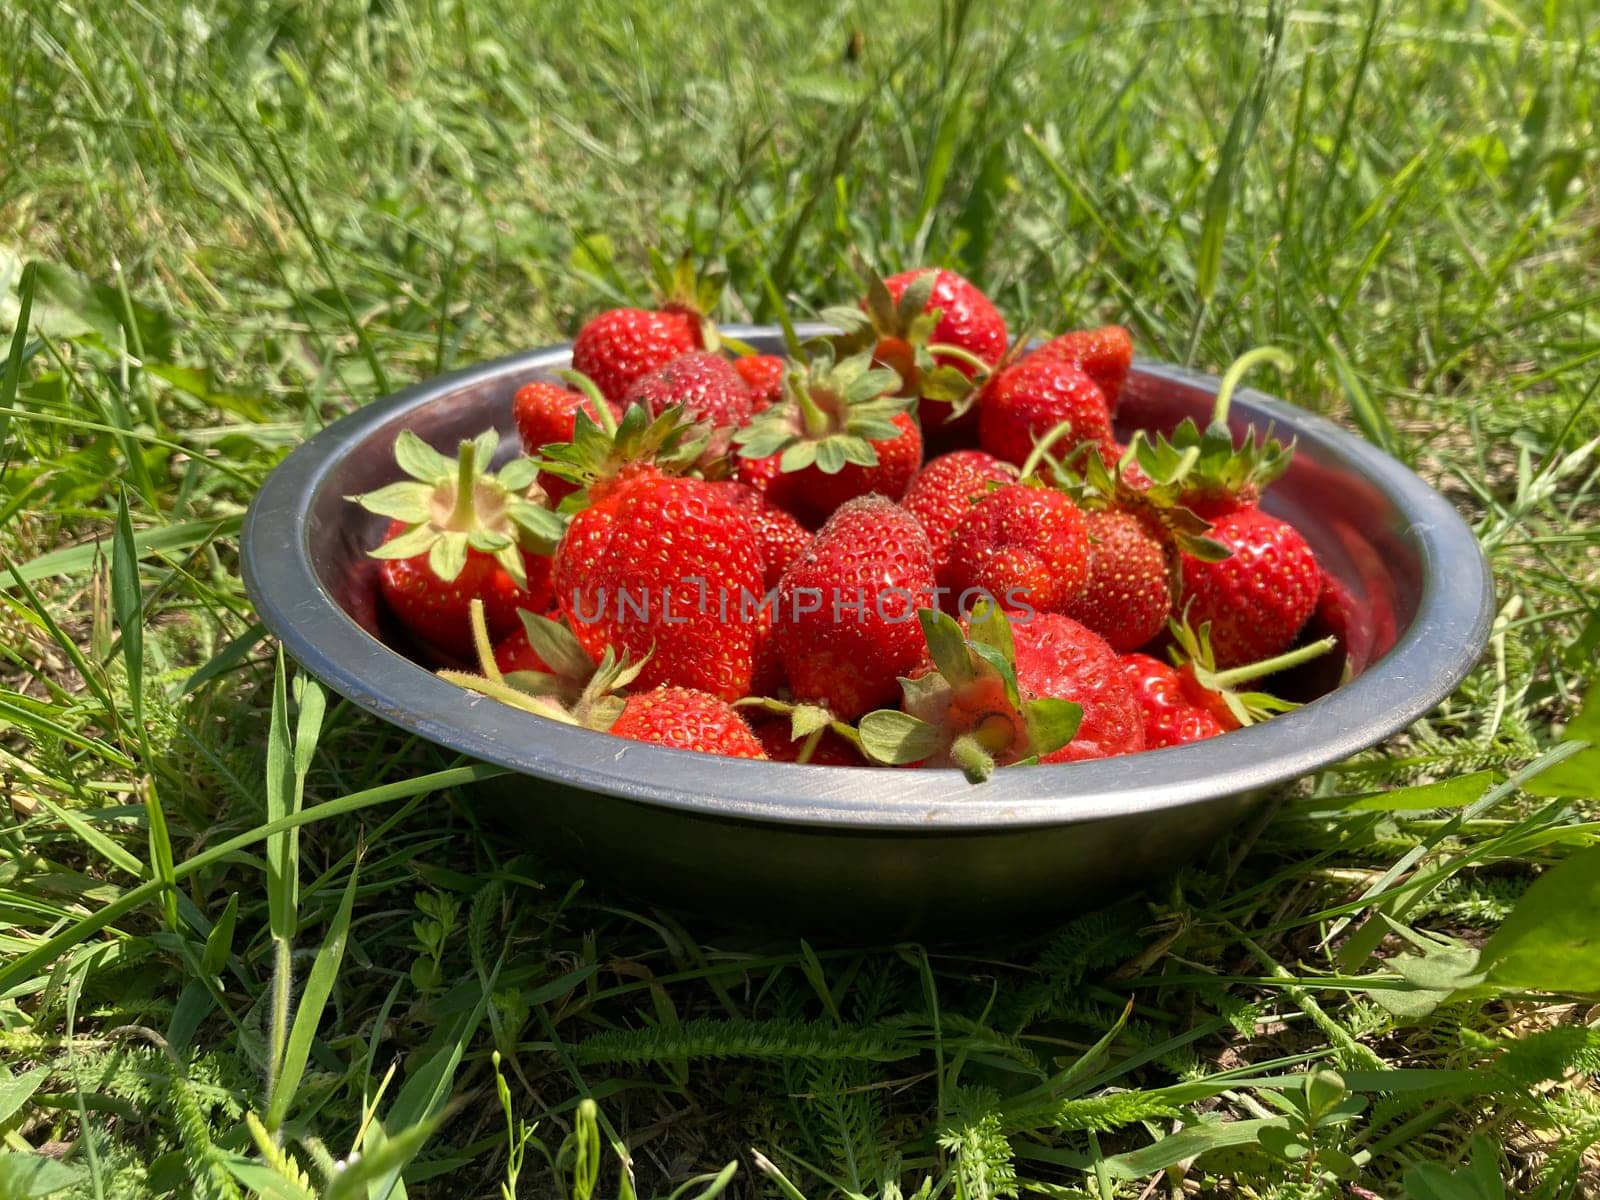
(781, 491)
(621, 344)
(686, 719)
(763, 375)
(945, 490)
(1060, 658)
(1104, 354)
(966, 709)
(840, 433)
(546, 414)
(705, 385)
(1128, 596)
(436, 611)
(782, 538)
(935, 356)
(1257, 599)
(968, 320)
(1025, 402)
(1026, 547)
(844, 627)
(667, 568)
(1169, 717)
(459, 533)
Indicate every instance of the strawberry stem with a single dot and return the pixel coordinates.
(464, 515)
(808, 746)
(1230, 381)
(815, 420)
(1042, 448)
(961, 354)
(602, 410)
(1269, 666)
(481, 644)
(976, 763)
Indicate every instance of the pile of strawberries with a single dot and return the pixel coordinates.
(910, 542)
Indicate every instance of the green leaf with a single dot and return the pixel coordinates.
(420, 460)
(388, 1158)
(16, 1090)
(19, 343)
(1479, 1179)
(77, 560)
(33, 1176)
(127, 605)
(1052, 723)
(409, 544)
(219, 942)
(1551, 940)
(1454, 792)
(947, 646)
(557, 645)
(407, 501)
(518, 475)
(896, 738)
(1577, 777)
(283, 863)
(806, 719)
(447, 557)
(308, 1013)
(1186, 1144)
(831, 456)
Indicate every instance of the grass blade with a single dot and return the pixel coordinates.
(313, 1000)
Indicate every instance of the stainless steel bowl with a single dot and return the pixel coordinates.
(873, 851)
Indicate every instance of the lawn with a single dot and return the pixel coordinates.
(253, 940)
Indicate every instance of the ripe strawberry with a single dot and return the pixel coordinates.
(621, 344)
(1104, 355)
(1026, 401)
(435, 610)
(1056, 656)
(515, 653)
(667, 568)
(968, 320)
(839, 433)
(705, 385)
(763, 375)
(458, 533)
(1193, 699)
(935, 329)
(602, 457)
(686, 719)
(844, 628)
(1026, 547)
(1207, 471)
(546, 414)
(1168, 715)
(945, 490)
(966, 709)
(1257, 599)
(1128, 595)
(781, 537)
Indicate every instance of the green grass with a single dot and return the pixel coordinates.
(223, 892)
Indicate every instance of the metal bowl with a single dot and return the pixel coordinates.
(873, 851)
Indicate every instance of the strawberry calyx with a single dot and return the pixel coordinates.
(680, 288)
(829, 415)
(968, 711)
(580, 692)
(1093, 486)
(1206, 468)
(450, 507)
(605, 451)
(900, 337)
(808, 723)
(1217, 691)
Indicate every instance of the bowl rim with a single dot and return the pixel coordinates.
(1443, 642)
